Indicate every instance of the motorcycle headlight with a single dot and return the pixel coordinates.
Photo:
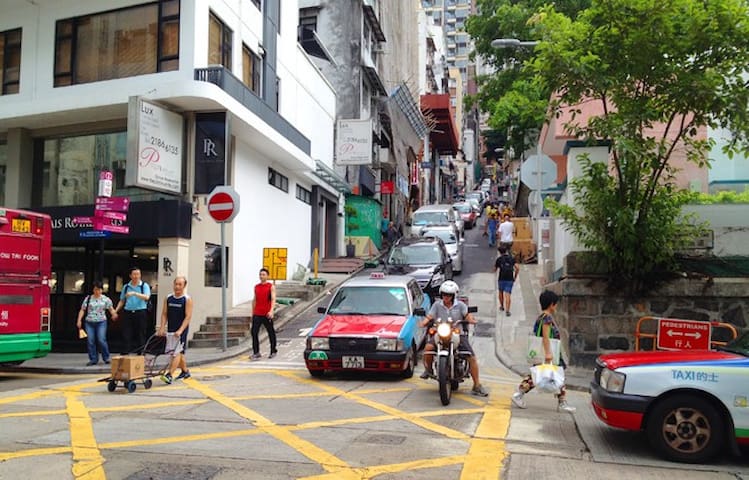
(389, 344)
(318, 343)
(612, 381)
(444, 330)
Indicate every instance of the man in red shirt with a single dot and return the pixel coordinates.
(262, 314)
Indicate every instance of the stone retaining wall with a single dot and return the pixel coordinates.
(596, 322)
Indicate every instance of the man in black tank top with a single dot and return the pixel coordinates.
(175, 324)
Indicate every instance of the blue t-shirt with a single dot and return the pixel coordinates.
(132, 302)
(546, 319)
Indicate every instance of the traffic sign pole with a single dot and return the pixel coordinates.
(223, 206)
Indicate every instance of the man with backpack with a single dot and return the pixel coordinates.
(134, 300)
(508, 273)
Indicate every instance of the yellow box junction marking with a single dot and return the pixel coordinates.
(88, 463)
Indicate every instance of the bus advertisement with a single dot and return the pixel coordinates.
(25, 269)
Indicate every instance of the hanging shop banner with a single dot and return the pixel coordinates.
(210, 151)
(354, 142)
(154, 147)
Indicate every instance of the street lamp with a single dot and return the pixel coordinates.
(512, 43)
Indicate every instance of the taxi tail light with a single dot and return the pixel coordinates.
(44, 319)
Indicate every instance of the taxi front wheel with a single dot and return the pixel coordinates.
(686, 428)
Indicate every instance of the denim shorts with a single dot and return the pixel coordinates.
(506, 286)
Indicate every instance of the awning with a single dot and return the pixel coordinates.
(440, 116)
(312, 44)
(374, 22)
(330, 176)
(374, 79)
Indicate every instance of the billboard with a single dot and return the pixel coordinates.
(154, 147)
(354, 142)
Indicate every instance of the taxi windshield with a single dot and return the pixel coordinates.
(369, 301)
(462, 207)
(740, 345)
(447, 236)
(426, 254)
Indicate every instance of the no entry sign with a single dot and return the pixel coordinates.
(223, 204)
(683, 334)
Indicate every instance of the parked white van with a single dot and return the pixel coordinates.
(430, 216)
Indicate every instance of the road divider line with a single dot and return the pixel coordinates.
(28, 396)
(33, 452)
(37, 413)
(484, 460)
(326, 460)
(88, 464)
(180, 439)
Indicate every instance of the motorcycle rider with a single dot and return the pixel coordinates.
(450, 307)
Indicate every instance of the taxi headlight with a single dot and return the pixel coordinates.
(389, 344)
(318, 343)
(444, 330)
(612, 381)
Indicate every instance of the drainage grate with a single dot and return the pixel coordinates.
(481, 290)
(213, 378)
(168, 471)
(382, 439)
(483, 330)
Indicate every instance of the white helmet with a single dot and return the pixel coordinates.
(449, 287)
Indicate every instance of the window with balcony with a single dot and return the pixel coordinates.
(117, 44)
(10, 61)
(251, 68)
(219, 42)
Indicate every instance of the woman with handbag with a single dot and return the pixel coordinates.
(93, 312)
(548, 332)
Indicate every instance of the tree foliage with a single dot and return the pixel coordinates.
(658, 72)
(516, 102)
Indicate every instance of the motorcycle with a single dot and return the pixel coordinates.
(449, 363)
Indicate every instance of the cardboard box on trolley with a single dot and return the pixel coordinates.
(127, 367)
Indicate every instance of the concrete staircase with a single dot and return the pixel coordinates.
(239, 318)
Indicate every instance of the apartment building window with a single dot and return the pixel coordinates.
(10, 61)
(308, 18)
(278, 180)
(251, 69)
(219, 42)
(304, 195)
(3, 166)
(117, 44)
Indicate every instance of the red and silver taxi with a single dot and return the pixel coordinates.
(691, 404)
(371, 324)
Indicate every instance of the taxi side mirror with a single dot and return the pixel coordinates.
(321, 309)
(419, 312)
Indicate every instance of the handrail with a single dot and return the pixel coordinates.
(654, 336)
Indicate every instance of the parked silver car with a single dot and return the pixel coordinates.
(453, 244)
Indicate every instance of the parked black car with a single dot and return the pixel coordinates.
(425, 259)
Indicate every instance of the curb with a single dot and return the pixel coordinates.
(242, 349)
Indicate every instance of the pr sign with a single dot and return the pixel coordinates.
(210, 151)
(683, 334)
(154, 147)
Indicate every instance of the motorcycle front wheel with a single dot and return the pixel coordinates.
(444, 380)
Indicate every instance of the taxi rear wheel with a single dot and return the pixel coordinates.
(686, 428)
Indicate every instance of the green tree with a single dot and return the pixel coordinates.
(516, 102)
(659, 72)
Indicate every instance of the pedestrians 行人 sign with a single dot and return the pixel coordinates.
(676, 334)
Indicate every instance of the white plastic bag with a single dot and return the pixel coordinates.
(548, 378)
(536, 349)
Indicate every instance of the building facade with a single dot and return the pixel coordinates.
(173, 98)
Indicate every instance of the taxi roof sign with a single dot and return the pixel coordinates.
(378, 275)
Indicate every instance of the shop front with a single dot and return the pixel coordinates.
(81, 255)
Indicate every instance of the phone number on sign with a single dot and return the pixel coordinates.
(160, 143)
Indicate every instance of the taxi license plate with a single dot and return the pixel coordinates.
(20, 225)
(352, 362)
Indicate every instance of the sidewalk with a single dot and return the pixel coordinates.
(74, 363)
(511, 339)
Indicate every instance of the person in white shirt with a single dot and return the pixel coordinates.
(506, 233)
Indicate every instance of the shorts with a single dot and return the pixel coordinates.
(505, 286)
(174, 344)
(463, 346)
